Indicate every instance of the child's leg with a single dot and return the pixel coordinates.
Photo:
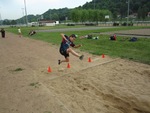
(66, 60)
(73, 52)
(67, 56)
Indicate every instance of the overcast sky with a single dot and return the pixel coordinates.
(14, 9)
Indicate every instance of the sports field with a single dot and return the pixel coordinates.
(104, 85)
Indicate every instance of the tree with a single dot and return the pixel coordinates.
(84, 15)
(6, 22)
(144, 12)
(76, 15)
(13, 22)
(91, 15)
(55, 16)
(139, 13)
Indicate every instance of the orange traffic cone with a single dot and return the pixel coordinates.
(49, 69)
(103, 56)
(89, 60)
(68, 66)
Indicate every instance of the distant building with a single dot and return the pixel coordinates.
(48, 22)
(33, 24)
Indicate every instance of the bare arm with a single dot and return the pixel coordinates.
(76, 46)
(63, 36)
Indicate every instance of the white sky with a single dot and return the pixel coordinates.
(14, 9)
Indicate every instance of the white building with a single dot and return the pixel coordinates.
(48, 22)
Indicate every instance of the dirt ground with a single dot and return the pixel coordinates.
(104, 85)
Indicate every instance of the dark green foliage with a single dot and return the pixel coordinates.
(116, 7)
(119, 6)
(91, 15)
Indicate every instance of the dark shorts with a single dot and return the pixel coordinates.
(64, 52)
(3, 35)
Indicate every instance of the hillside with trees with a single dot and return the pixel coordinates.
(115, 7)
(96, 10)
(120, 7)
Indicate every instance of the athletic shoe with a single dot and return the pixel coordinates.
(59, 62)
(81, 57)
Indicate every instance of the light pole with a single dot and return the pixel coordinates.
(94, 4)
(128, 11)
(23, 15)
(0, 17)
(26, 12)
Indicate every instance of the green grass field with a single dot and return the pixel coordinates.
(136, 51)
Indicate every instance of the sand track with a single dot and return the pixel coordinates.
(105, 85)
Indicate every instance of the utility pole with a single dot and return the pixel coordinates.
(0, 17)
(94, 4)
(128, 11)
(26, 12)
(23, 15)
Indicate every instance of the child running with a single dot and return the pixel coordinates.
(65, 48)
(19, 32)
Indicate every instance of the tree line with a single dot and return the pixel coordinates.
(90, 15)
(120, 7)
(95, 11)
